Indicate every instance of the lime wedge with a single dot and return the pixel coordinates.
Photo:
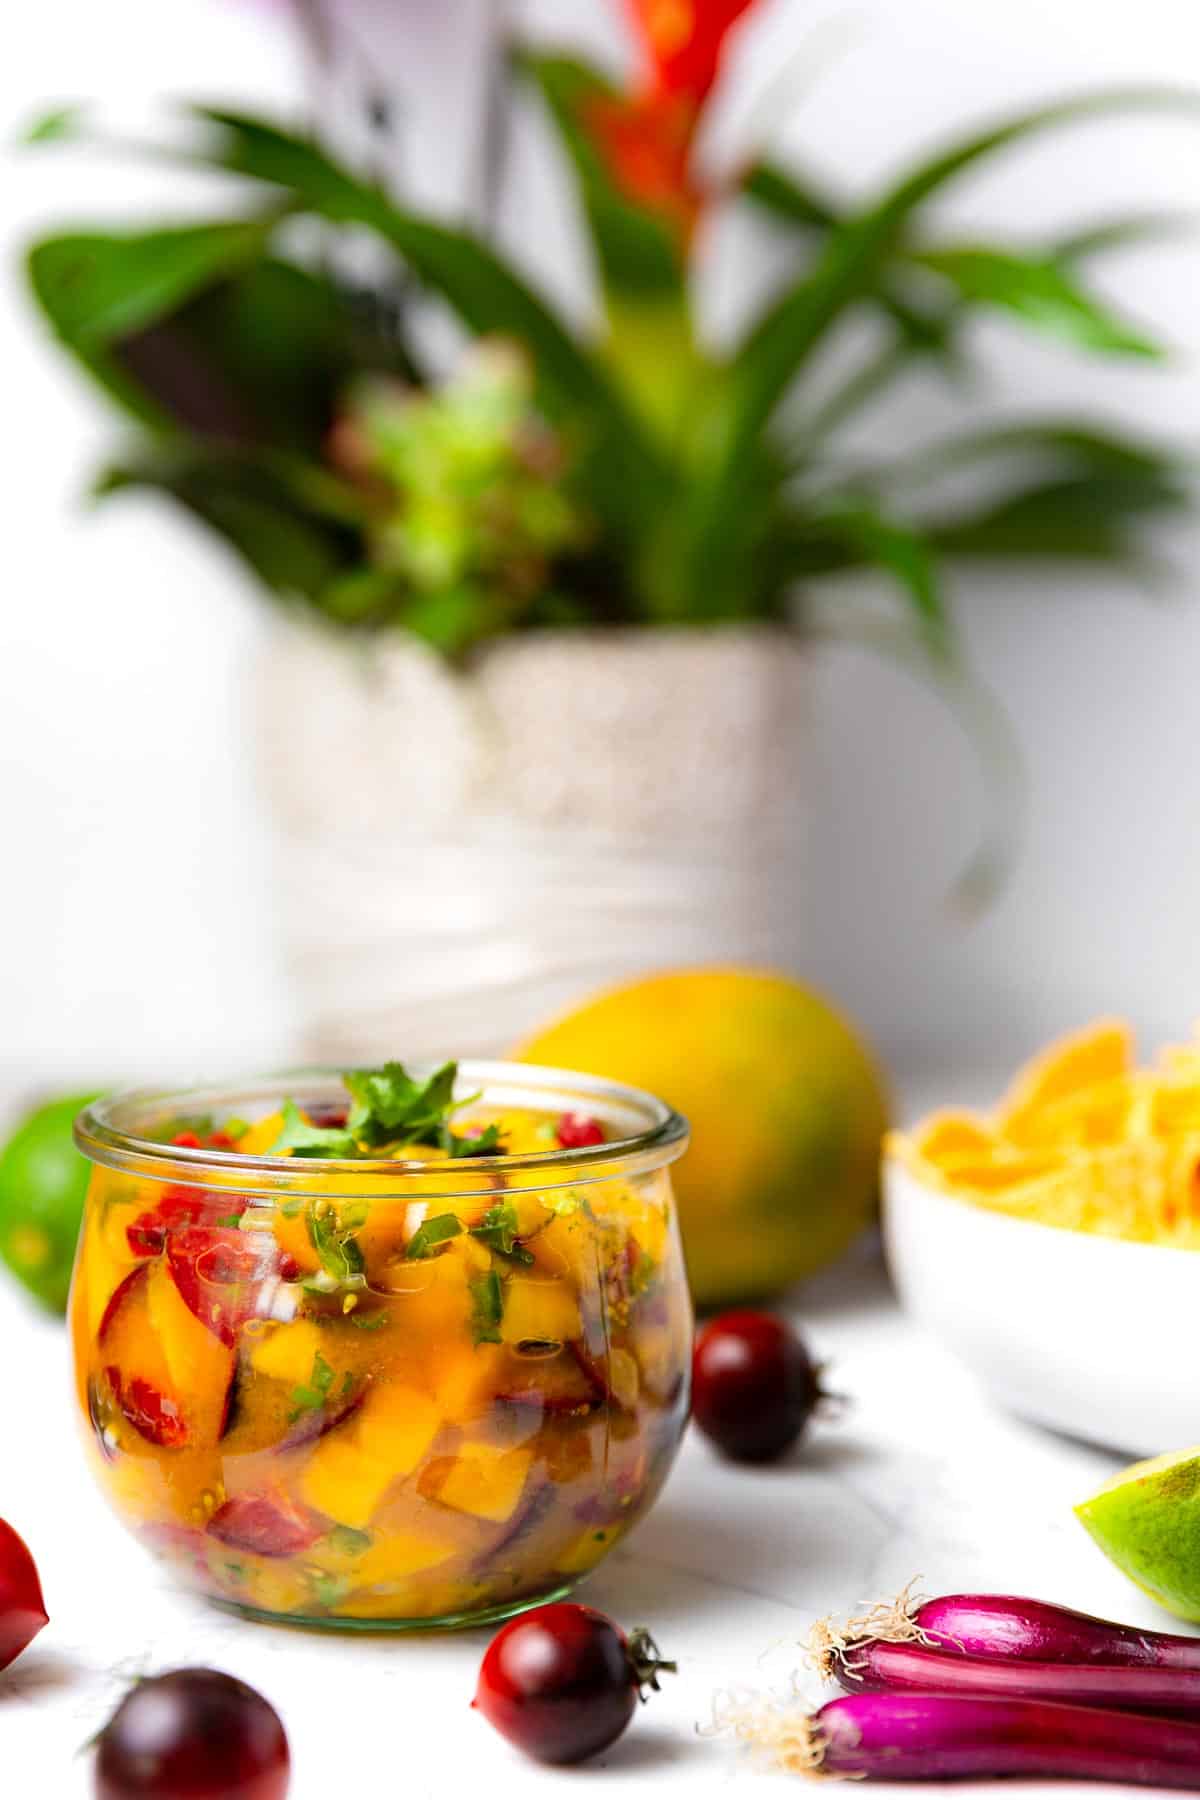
(1147, 1521)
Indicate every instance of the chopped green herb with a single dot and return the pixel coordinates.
(487, 1142)
(350, 1542)
(487, 1309)
(314, 1396)
(426, 1238)
(199, 1124)
(498, 1230)
(289, 1209)
(303, 1139)
(642, 1277)
(230, 1222)
(368, 1321)
(341, 1258)
(390, 1107)
(563, 1204)
(328, 1589)
(390, 1110)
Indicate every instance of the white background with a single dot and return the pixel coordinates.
(134, 928)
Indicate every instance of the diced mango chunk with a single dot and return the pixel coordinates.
(352, 1468)
(199, 1365)
(397, 1426)
(539, 1312)
(587, 1550)
(400, 1554)
(343, 1483)
(467, 1379)
(261, 1137)
(287, 1352)
(623, 1378)
(486, 1480)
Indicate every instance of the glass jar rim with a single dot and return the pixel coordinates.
(106, 1133)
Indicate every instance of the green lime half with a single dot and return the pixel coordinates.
(1147, 1520)
(43, 1182)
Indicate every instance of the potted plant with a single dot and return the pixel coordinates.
(533, 717)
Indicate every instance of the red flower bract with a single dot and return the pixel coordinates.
(646, 146)
(684, 40)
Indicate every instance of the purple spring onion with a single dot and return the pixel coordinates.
(1006, 1625)
(934, 1737)
(873, 1664)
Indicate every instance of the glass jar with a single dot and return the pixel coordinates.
(381, 1393)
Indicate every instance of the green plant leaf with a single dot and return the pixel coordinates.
(627, 480)
(1121, 233)
(1063, 447)
(193, 344)
(290, 550)
(803, 207)
(784, 194)
(794, 326)
(874, 539)
(1039, 291)
(635, 249)
(95, 286)
(1083, 517)
(55, 126)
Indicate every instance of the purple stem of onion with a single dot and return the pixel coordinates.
(873, 1664)
(1007, 1625)
(930, 1737)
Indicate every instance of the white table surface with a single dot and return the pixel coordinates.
(921, 1476)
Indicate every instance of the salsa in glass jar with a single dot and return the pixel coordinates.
(387, 1348)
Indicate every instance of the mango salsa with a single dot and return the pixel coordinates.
(430, 1390)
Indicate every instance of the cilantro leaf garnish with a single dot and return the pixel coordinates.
(390, 1107)
(314, 1396)
(487, 1309)
(498, 1230)
(432, 1232)
(487, 1142)
(303, 1139)
(389, 1110)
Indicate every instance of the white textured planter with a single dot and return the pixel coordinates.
(461, 855)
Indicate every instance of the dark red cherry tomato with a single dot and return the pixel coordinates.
(754, 1385)
(562, 1682)
(22, 1609)
(194, 1734)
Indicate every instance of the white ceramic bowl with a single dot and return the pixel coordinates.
(1091, 1335)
